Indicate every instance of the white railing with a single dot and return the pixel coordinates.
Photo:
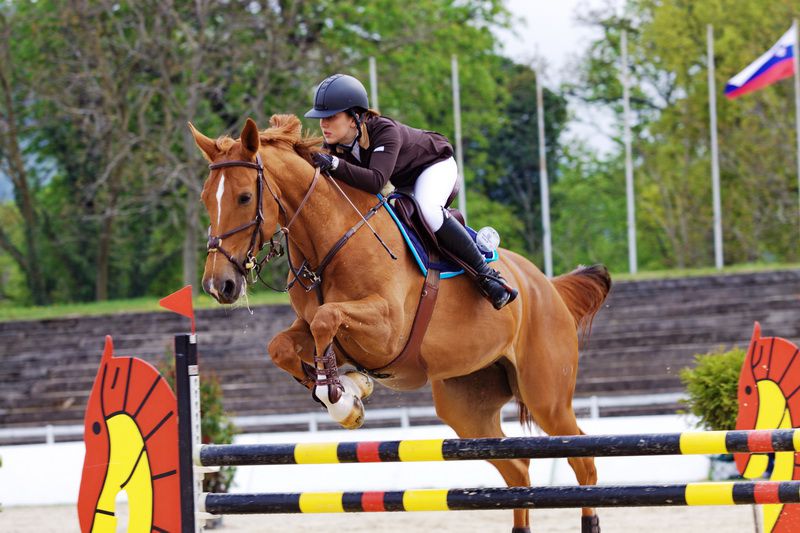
(404, 416)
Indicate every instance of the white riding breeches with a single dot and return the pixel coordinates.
(433, 188)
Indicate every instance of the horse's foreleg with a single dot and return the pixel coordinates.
(288, 349)
(342, 395)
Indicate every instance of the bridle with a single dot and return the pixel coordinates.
(304, 275)
(250, 263)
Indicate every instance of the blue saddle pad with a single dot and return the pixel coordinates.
(447, 268)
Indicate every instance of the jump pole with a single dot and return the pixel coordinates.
(686, 443)
(722, 493)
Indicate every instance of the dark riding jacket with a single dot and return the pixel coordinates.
(390, 151)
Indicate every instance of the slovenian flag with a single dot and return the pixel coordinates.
(776, 64)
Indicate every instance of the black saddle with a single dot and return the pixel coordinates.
(407, 209)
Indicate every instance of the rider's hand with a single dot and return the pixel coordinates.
(325, 162)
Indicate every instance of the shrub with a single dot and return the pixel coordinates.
(712, 388)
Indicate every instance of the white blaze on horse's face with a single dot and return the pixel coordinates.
(220, 192)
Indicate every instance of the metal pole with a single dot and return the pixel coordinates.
(712, 109)
(544, 186)
(796, 55)
(373, 83)
(462, 192)
(632, 261)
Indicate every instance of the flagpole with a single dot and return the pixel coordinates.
(544, 186)
(712, 109)
(462, 191)
(373, 83)
(626, 109)
(796, 57)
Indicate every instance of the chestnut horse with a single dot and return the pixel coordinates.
(476, 358)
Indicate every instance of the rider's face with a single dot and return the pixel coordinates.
(338, 129)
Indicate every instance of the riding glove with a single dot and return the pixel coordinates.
(325, 162)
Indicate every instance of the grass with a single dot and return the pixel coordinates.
(133, 305)
(706, 271)
(264, 297)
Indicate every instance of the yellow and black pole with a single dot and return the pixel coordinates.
(724, 493)
(686, 443)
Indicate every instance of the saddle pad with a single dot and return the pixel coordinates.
(447, 268)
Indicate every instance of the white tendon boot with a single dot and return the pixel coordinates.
(348, 410)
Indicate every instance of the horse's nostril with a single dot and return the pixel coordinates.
(228, 288)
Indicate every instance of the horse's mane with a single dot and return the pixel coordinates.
(284, 130)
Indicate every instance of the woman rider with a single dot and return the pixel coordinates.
(371, 150)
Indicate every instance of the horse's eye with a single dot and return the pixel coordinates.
(244, 198)
(748, 390)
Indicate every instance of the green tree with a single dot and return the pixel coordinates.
(671, 139)
(105, 88)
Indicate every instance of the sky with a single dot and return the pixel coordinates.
(547, 30)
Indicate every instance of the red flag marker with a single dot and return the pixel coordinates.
(180, 302)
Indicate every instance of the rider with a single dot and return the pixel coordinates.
(371, 150)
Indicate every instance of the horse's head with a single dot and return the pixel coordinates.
(241, 208)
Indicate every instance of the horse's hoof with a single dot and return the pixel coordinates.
(355, 419)
(521, 530)
(362, 382)
(590, 524)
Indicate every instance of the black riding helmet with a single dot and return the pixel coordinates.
(337, 93)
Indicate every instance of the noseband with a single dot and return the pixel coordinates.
(275, 248)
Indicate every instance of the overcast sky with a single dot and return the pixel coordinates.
(549, 30)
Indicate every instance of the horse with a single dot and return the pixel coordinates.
(476, 358)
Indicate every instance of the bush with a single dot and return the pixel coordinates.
(712, 387)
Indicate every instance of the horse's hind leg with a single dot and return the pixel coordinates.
(471, 406)
(549, 400)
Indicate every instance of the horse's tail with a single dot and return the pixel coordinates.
(584, 290)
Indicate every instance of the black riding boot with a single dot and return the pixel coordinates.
(454, 238)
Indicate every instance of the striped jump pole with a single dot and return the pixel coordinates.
(725, 493)
(689, 442)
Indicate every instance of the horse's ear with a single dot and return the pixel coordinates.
(250, 137)
(206, 145)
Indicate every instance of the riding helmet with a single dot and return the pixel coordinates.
(337, 93)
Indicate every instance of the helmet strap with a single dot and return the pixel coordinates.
(359, 120)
